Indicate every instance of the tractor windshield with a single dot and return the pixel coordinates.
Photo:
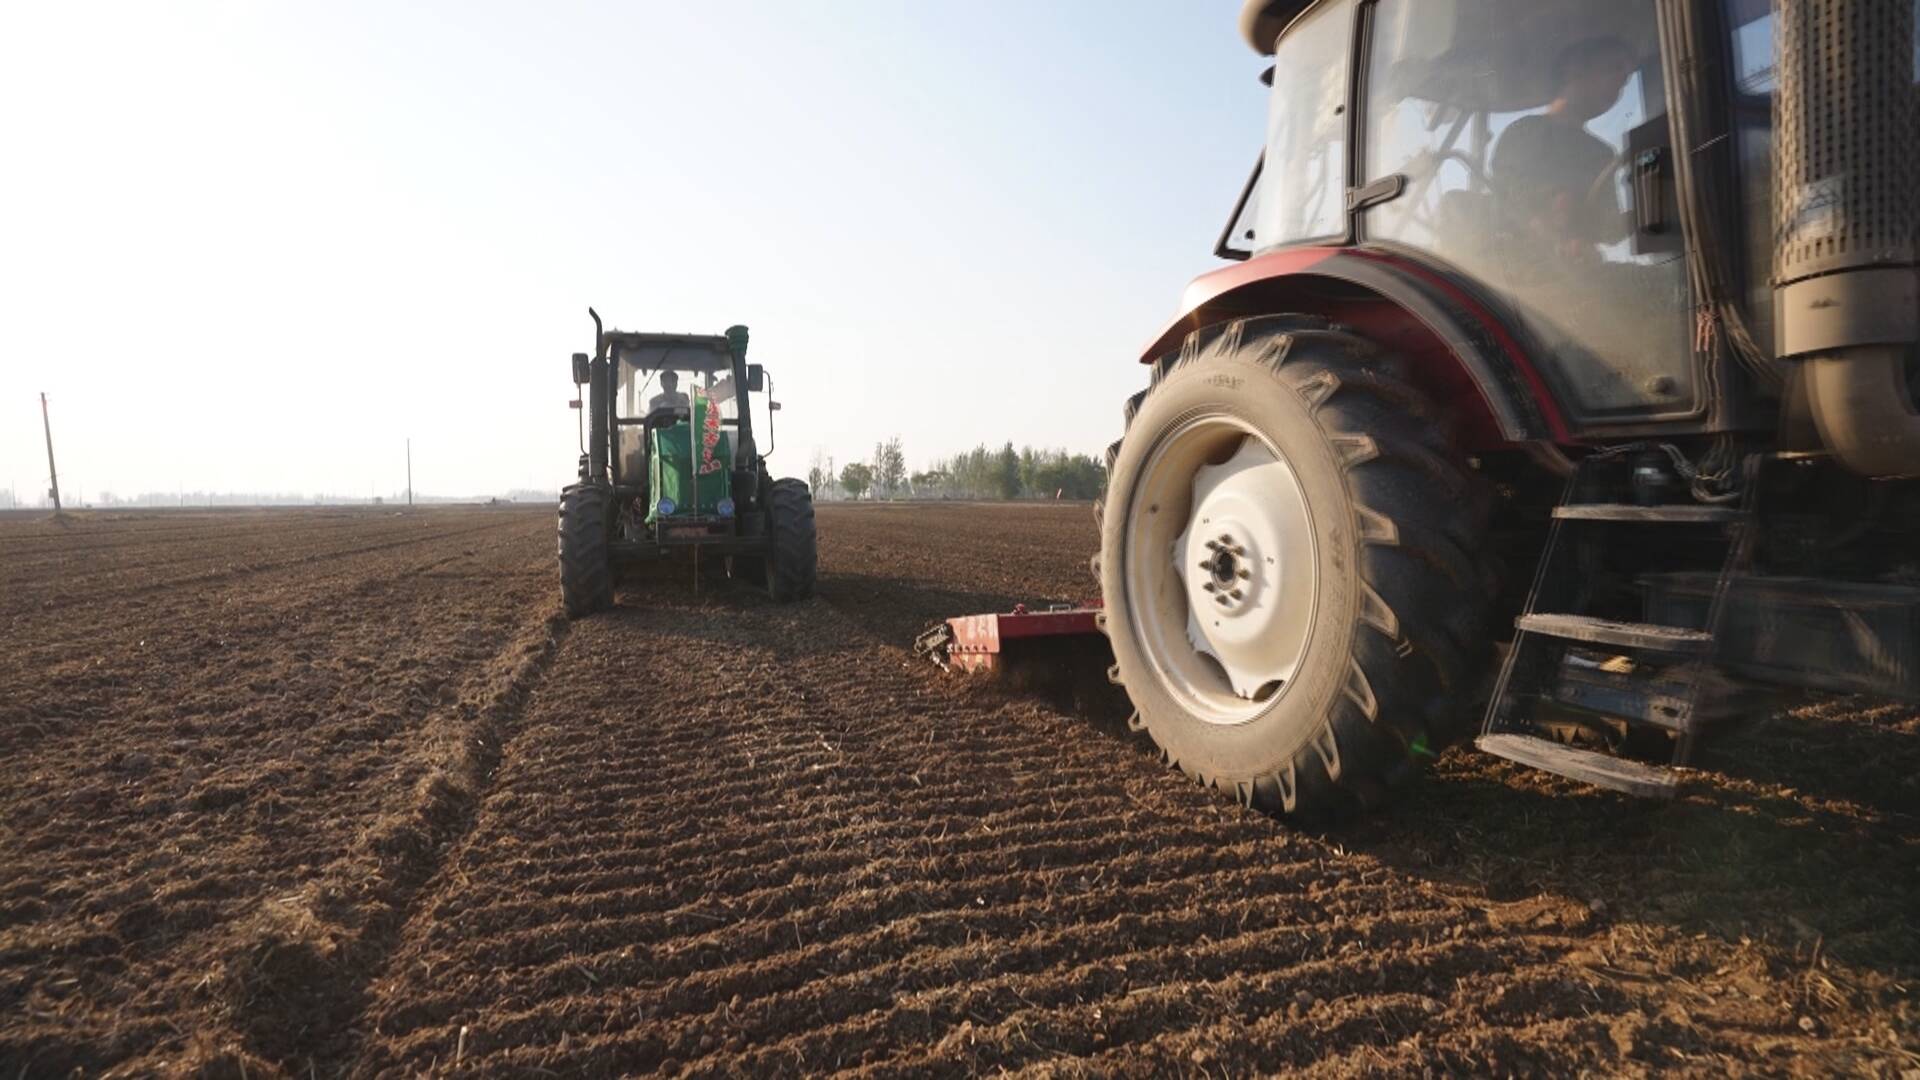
(644, 391)
(650, 380)
(655, 383)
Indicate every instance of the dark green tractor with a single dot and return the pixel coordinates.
(671, 470)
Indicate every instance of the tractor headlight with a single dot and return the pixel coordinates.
(724, 508)
(666, 507)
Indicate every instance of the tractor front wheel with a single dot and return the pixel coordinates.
(586, 572)
(1287, 560)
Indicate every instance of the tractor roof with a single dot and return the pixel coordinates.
(682, 352)
(1262, 20)
(1449, 49)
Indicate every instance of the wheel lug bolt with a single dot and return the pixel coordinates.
(1245, 574)
(1210, 587)
(1235, 594)
(1222, 599)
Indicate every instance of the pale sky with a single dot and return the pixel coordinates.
(254, 247)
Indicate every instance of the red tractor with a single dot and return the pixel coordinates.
(1587, 324)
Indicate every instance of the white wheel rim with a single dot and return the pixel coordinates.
(1220, 568)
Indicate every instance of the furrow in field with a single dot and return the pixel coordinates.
(373, 814)
(208, 838)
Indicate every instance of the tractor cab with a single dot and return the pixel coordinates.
(656, 366)
(1520, 155)
(673, 388)
(1521, 146)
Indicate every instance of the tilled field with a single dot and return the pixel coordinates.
(331, 792)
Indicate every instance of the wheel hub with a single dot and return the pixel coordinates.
(1227, 575)
(1247, 515)
(1219, 565)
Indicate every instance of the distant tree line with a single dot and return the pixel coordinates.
(979, 473)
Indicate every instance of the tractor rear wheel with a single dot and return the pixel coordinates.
(1287, 559)
(792, 563)
(586, 572)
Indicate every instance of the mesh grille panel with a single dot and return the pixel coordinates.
(1847, 136)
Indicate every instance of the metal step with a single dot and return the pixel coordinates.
(1625, 635)
(1680, 514)
(1600, 770)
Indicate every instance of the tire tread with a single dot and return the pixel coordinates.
(794, 560)
(586, 574)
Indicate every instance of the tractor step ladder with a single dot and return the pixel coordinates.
(1571, 669)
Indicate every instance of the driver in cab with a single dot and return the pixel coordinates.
(669, 396)
(1557, 175)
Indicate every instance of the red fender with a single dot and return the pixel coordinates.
(1466, 356)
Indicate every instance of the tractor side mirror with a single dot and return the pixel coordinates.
(756, 378)
(580, 370)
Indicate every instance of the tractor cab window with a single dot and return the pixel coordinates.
(1302, 186)
(641, 389)
(655, 386)
(1532, 138)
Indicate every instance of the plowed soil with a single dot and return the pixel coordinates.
(326, 793)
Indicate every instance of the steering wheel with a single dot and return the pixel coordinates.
(666, 415)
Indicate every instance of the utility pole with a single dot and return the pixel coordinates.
(409, 471)
(52, 473)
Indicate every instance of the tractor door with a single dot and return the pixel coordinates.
(1528, 145)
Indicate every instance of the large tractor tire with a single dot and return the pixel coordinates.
(586, 571)
(1287, 555)
(791, 566)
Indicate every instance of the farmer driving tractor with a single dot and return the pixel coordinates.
(1556, 172)
(669, 396)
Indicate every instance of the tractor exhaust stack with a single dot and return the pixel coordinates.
(1846, 224)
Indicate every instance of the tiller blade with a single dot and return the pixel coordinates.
(985, 643)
